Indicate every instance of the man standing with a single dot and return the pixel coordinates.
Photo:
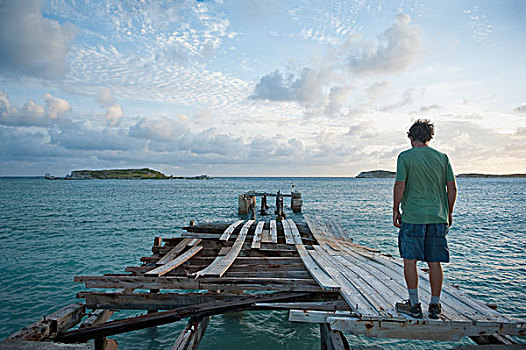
(426, 189)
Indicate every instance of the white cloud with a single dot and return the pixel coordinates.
(161, 129)
(113, 114)
(395, 50)
(56, 107)
(105, 97)
(32, 44)
(54, 113)
(306, 87)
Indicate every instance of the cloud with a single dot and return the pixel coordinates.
(105, 98)
(520, 108)
(161, 129)
(54, 113)
(306, 86)
(113, 114)
(92, 139)
(395, 49)
(32, 44)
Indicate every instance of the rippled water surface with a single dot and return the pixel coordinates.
(51, 231)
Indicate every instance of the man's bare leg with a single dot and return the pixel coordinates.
(410, 274)
(436, 278)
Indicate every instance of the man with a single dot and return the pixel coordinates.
(426, 189)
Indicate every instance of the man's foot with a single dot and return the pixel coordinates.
(435, 310)
(406, 308)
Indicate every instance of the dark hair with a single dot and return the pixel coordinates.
(422, 130)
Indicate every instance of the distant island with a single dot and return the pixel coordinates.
(490, 175)
(122, 174)
(375, 174)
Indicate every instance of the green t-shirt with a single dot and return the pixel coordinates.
(425, 172)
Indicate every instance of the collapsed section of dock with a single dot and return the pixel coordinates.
(312, 269)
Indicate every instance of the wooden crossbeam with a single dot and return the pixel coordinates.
(159, 318)
(204, 283)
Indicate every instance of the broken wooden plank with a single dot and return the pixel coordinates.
(294, 231)
(52, 324)
(178, 249)
(256, 241)
(220, 266)
(273, 231)
(287, 232)
(323, 279)
(169, 266)
(229, 230)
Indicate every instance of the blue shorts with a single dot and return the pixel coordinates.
(424, 242)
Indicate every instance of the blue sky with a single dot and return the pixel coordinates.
(259, 88)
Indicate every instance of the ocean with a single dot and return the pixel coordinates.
(51, 231)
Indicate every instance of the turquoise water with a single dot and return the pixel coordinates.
(53, 230)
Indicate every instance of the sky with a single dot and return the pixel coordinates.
(259, 87)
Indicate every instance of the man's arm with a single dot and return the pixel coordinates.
(398, 193)
(451, 187)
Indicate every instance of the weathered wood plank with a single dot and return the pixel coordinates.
(324, 280)
(169, 266)
(273, 231)
(287, 232)
(205, 283)
(256, 241)
(416, 329)
(229, 230)
(359, 305)
(219, 267)
(178, 249)
(265, 236)
(52, 324)
(294, 231)
(309, 305)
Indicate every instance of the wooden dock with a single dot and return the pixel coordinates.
(310, 268)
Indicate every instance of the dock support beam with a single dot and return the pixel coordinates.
(332, 340)
(192, 334)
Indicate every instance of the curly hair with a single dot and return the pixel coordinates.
(422, 130)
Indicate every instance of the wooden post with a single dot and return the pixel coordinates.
(192, 334)
(296, 202)
(242, 204)
(332, 340)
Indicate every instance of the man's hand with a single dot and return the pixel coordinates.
(450, 219)
(397, 218)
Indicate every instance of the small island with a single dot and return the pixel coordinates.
(383, 174)
(375, 174)
(122, 174)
